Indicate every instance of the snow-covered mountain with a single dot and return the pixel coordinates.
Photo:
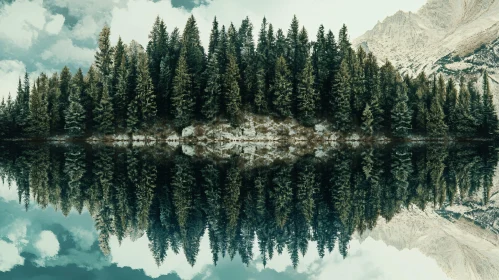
(447, 36)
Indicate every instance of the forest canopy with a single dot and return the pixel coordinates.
(175, 82)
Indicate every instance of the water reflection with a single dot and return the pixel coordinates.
(280, 207)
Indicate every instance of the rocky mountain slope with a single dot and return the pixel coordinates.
(445, 36)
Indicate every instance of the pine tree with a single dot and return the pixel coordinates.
(435, 121)
(463, 109)
(90, 99)
(132, 119)
(308, 97)
(53, 103)
(450, 106)
(39, 123)
(260, 101)
(476, 105)
(401, 114)
(342, 110)
(65, 86)
(367, 121)
(194, 58)
(182, 99)
(282, 89)
(75, 113)
(232, 92)
(145, 93)
(120, 94)
(104, 56)
(212, 92)
(490, 120)
(104, 116)
(344, 42)
(246, 62)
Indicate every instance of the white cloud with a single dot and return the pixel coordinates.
(55, 24)
(21, 21)
(9, 256)
(64, 51)
(84, 238)
(85, 28)
(10, 71)
(135, 20)
(47, 244)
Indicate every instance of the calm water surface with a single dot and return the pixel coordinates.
(366, 212)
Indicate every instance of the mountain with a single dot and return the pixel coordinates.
(452, 37)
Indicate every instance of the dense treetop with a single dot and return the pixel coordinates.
(175, 82)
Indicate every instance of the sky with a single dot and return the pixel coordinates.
(42, 244)
(44, 35)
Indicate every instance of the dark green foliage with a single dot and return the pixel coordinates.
(282, 89)
(182, 96)
(173, 82)
(401, 114)
(75, 113)
(104, 113)
(308, 97)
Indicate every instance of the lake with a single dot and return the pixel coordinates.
(249, 211)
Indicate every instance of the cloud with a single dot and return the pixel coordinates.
(47, 244)
(21, 21)
(8, 193)
(64, 51)
(10, 71)
(134, 21)
(9, 256)
(55, 24)
(85, 28)
(137, 255)
(378, 261)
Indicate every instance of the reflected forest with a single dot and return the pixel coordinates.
(175, 198)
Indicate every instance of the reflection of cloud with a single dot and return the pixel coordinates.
(375, 260)
(137, 255)
(84, 238)
(47, 244)
(9, 256)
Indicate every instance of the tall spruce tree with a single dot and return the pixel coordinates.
(213, 90)
(145, 93)
(342, 108)
(183, 101)
(282, 89)
(231, 90)
(65, 86)
(401, 114)
(75, 113)
(104, 116)
(490, 120)
(308, 97)
(39, 123)
(435, 123)
(54, 93)
(104, 56)
(367, 121)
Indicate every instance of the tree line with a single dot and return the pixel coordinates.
(173, 82)
(176, 199)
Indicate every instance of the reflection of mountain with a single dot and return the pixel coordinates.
(174, 198)
(461, 248)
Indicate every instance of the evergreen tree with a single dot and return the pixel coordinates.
(342, 110)
(53, 103)
(39, 123)
(435, 121)
(65, 86)
(104, 56)
(120, 94)
(104, 116)
(282, 89)
(344, 42)
(450, 106)
(132, 117)
(246, 62)
(476, 105)
(401, 114)
(212, 92)
(91, 97)
(145, 93)
(75, 113)
(307, 96)
(232, 92)
(194, 56)
(182, 99)
(490, 120)
(463, 110)
(367, 121)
